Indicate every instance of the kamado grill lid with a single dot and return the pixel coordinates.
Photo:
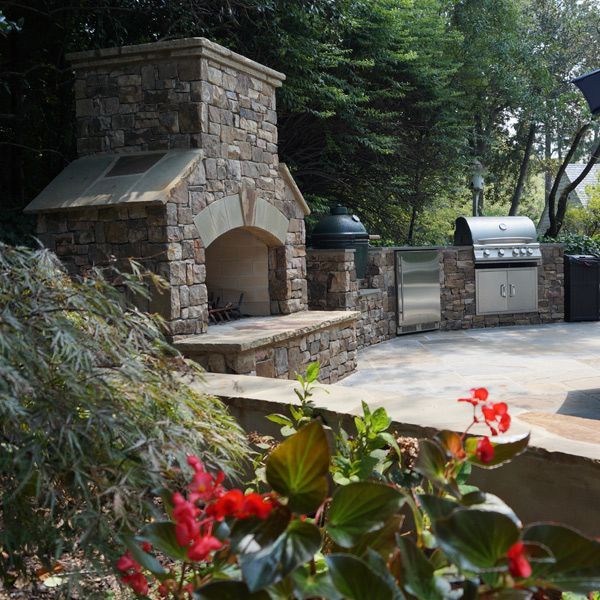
(338, 229)
(494, 230)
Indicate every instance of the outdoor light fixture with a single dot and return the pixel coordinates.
(589, 84)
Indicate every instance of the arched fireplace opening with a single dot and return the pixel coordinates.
(237, 274)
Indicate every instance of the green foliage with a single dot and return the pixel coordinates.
(300, 415)
(366, 453)
(465, 550)
(577, 244)
(94, 413)
(585, 220)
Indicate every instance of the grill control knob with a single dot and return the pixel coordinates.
(500, 252)
(529, 251)
(486, 252)
(523, 252)
(515, 252)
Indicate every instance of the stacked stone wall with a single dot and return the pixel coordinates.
(332, 285)
(334, 348)
(458, 291)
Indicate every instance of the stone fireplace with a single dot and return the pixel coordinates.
(179, 170)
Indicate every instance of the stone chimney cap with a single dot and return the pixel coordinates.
(172, 49)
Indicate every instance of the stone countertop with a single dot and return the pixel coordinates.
(254, 332)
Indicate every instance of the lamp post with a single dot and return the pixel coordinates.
(589, 84)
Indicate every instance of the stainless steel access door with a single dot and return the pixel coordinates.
(418, 278)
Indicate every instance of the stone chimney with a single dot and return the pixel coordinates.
(188, 93)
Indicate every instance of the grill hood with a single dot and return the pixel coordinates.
(494, 230)
(498, 239)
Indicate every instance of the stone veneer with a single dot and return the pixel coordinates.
(188, 94)
(279, 349)
(458, 291)
(332, 285)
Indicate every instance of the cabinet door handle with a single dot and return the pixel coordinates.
(503, 290)
(513, 290)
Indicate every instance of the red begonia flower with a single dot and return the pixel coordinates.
(184, 515)
(484, 450)
(228, 505)
(500, 408)
(255, 505)
(202, 547)
(146, 546)
(504, 423)
(137, 582)
(126, 563)
(518, 565)
(480, 394)
(165, 587)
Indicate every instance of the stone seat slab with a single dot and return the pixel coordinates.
(256, 332)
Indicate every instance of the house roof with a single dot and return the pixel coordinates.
(116, 179)
(582, 190)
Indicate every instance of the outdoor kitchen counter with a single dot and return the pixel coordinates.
(255, 332)
(278, 346)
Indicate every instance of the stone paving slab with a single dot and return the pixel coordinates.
(551, 370)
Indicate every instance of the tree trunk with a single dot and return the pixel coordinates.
(554, 228)
(564, 197)
(411, 227)
(516, 198)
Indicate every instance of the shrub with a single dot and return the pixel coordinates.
(576, 243)
(94, 413)
(298, 541)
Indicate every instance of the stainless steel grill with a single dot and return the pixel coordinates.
(498, 239)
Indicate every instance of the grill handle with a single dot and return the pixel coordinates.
(503, 290)
(513, 290)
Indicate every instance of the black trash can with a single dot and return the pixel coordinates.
(582, 288)
(343, 230)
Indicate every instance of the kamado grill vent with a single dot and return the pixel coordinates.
(498, 239)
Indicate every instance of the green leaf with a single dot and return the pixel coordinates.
(504, 450)
(312, 372)
(281, 419)
(382, 541)
(451, 442)
(228, 590)
(161, 534)
(436, 507)
(475, 540)
(379, 565)
(431, 461)
(251, 535)
(577, 566)
(318, 585)
(298, 544)
(298, 468)
(380, 420)
(360, 508)
(143, 558)
(484, 501)
(355, 580)
(416, 571)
